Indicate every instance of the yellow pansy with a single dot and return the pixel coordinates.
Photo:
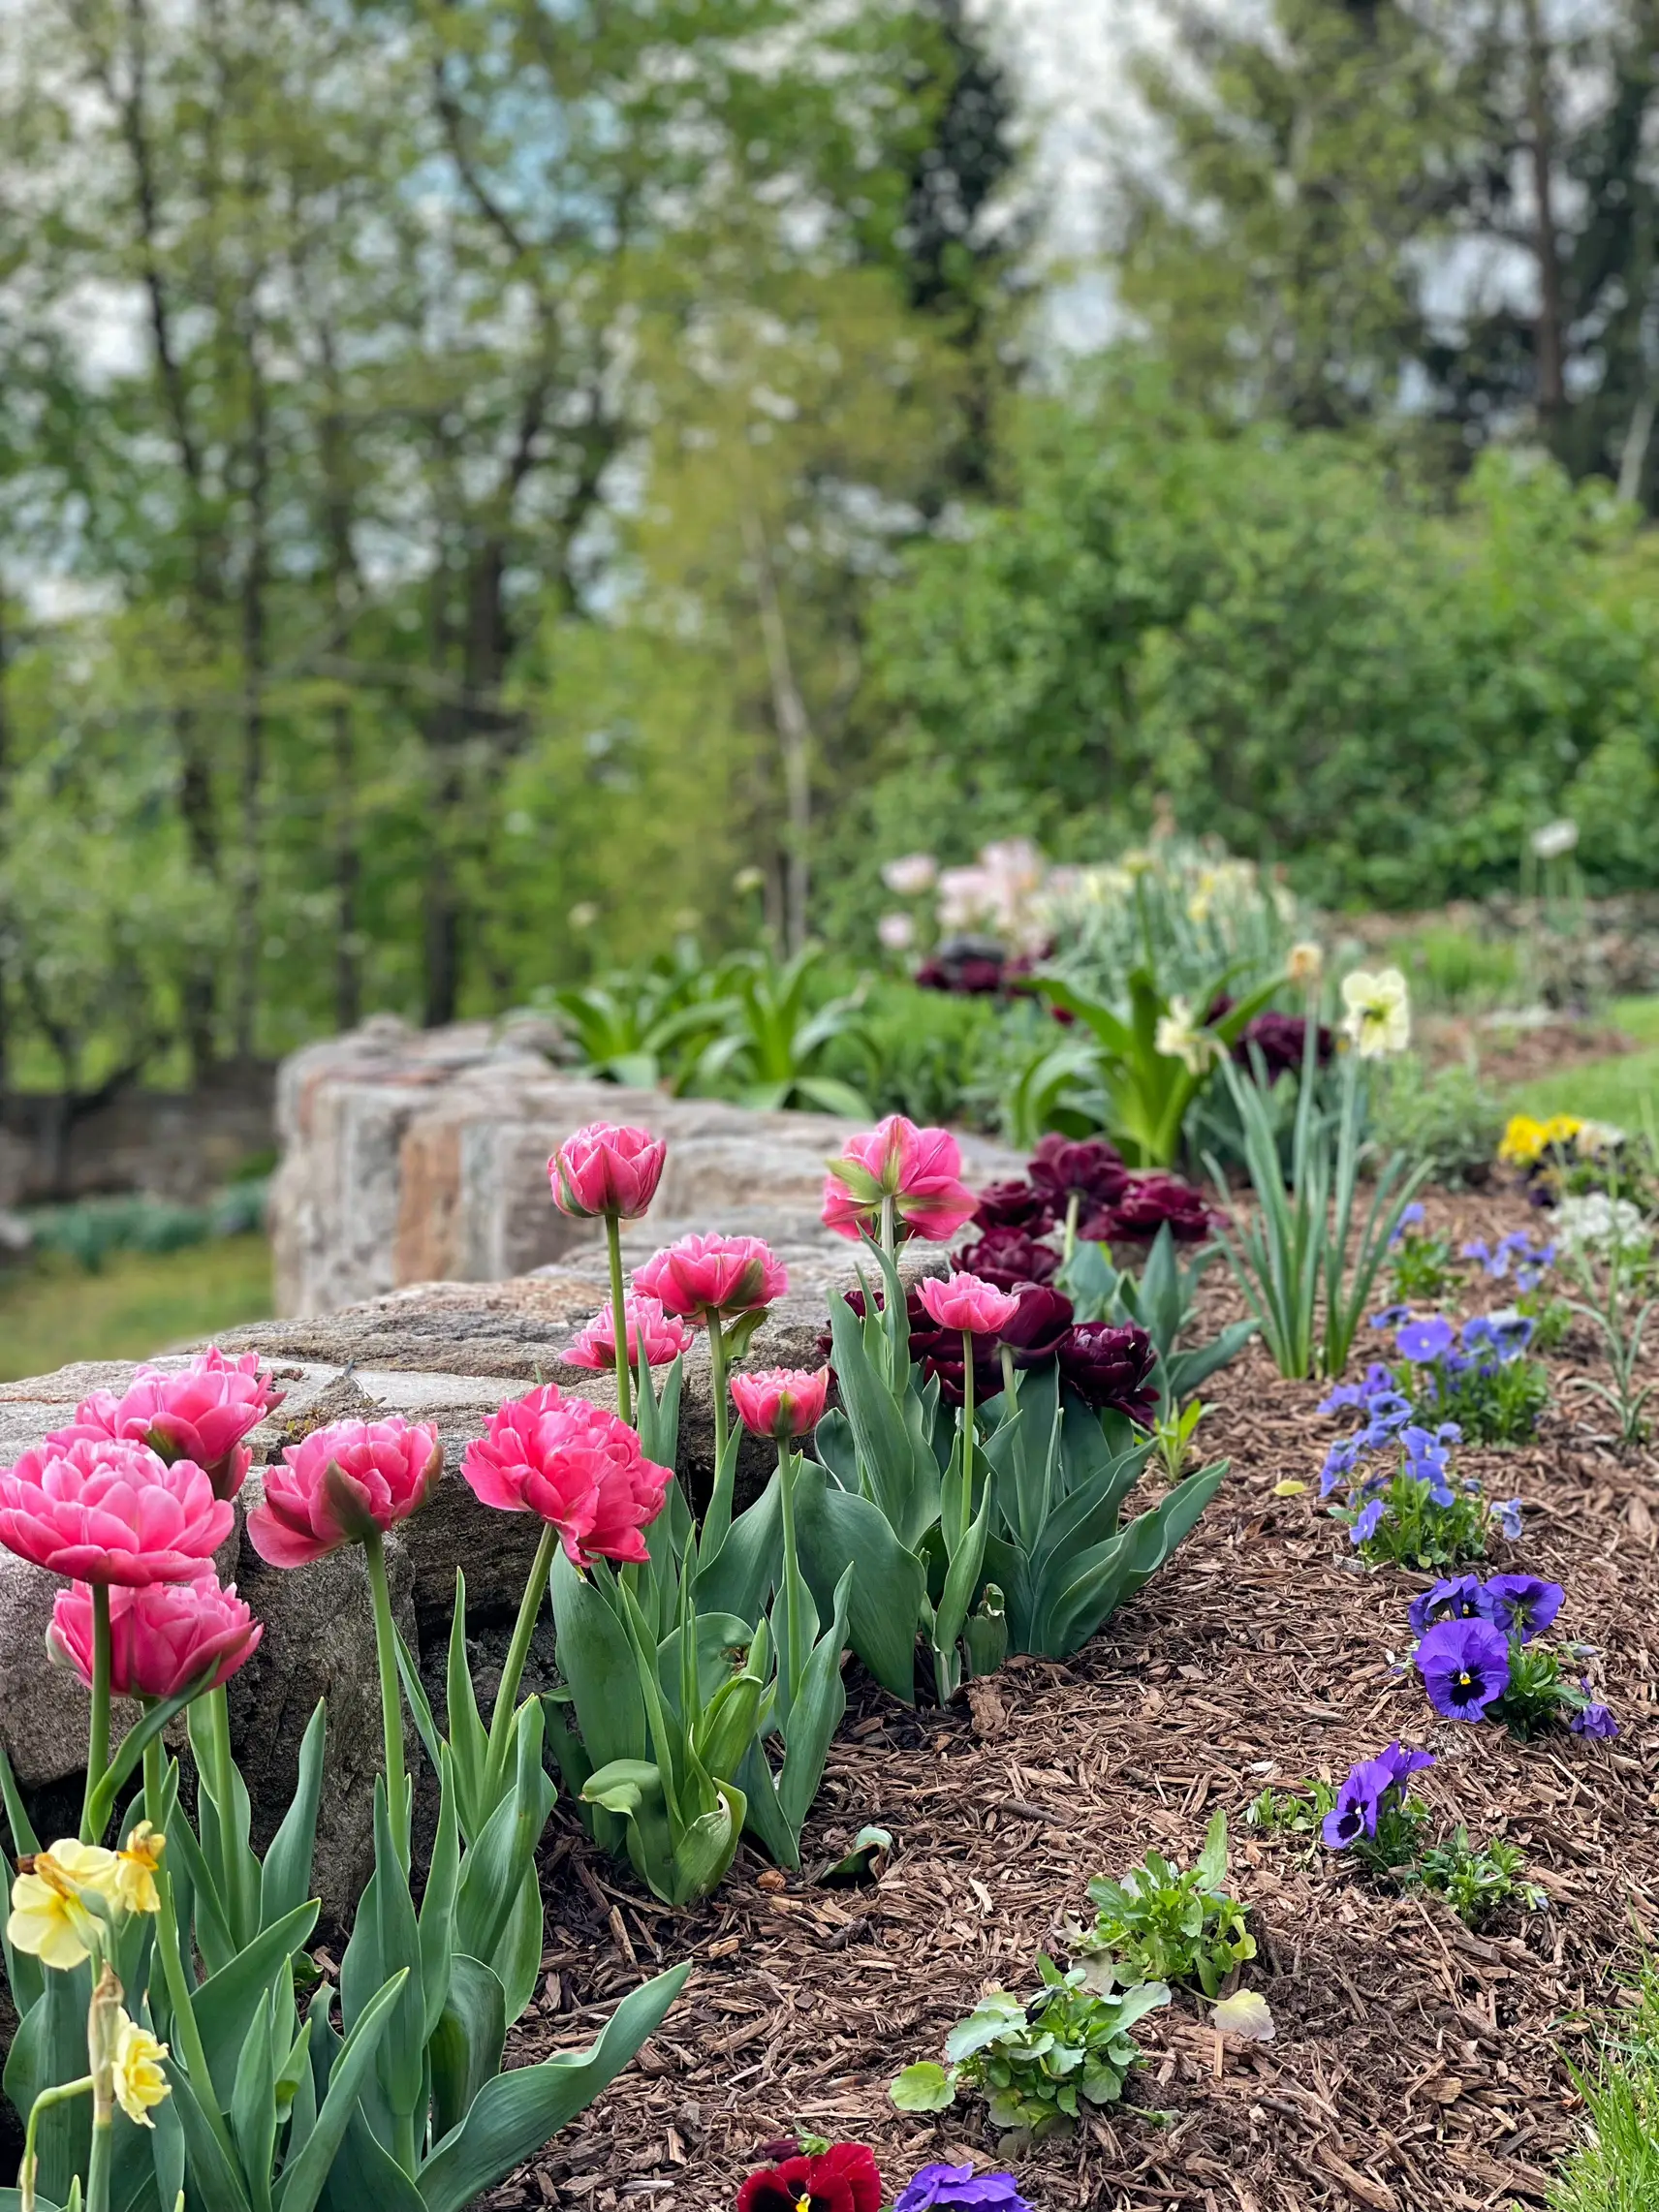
(134, 1870)
(137, 2078)
(1525, 1139)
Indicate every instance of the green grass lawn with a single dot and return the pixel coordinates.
(1605, 1090)
(137, 1304)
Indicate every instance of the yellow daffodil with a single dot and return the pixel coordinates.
(1378, 1019)
(1179, 1039)
(137, 2079)
(135, 1872)
(1305, 964)
(47, 1919)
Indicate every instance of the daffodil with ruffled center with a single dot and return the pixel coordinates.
(48, 1919)
(137, 2076)
(132, 1879)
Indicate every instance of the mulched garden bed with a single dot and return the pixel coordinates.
(1416, 2065)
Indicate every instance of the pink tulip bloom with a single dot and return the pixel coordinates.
(200, 1413)
(111, 1511)
(968, 1303)
(576, 1466)
(161, 1638)
(724, 1275)
(607, 1170)
(595, 1346)
(341, 1485)
(919, 1169)
(781, 1402)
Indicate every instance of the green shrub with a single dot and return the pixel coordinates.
(1447, 1120)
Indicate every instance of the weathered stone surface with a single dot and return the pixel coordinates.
(411, 1157)
(317, 1642)
(44, 1709)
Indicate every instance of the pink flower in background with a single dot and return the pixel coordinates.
(162, 1637)
(104, 1510)
(965, 1302)
(700, 1275)
(606, 1169)
(202, 1414)
(341, 1485)
(781, 1402)
(576, 1466)
(595, 1346)
(920, 1169)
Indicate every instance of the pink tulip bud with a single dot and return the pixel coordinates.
(607, 1170)
(595, 1346)
(341, 1485)
(724, 1275)
(966, 1302)
(109, 1510)
(576, 1466)
(919, 1169)
(200, 1413)
(161, 1638)
(781, 1402)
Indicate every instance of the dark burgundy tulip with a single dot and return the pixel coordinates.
(941, 1354)
(1111, 1368)
(1040, 1327)
(1014, 1204)
(1281, 1039)
(1146, 1204)
(1007, 1258)
(1088, 1166)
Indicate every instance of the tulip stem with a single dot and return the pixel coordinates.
(965, 1504)
(619, 1313)
(888, 1225)
(186, 2034)
(59, 2093)
(717, 1368)
(1074, 1199)
(390, 1694)
(518, 1651)
(792, 1651)
(1008, 1378)
(97, 1727)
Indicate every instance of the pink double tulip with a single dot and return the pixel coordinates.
(781, 1402)
(161, 1638)
(915, 1171)
(720, 1276)
(200, 1413)
(607, 1168)
(968, 1303)
(342, 1484)
(108, 1510)
(578, 1467)
(666, 1336)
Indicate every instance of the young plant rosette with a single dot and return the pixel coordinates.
(609, 1171)
(897, 1181)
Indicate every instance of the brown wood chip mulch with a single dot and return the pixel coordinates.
(1416, 2065)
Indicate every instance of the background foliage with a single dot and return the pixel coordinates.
(474, 480)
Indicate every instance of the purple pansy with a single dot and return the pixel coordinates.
(1455, 1598)
(1464, 1666)
(1423, 1342)
(1391, 1316)
(958, 2188)
(1411, 1217)
(1366, 1521)
(1354, 1812)
(1595, 1720)
(1402, 1763)
(1506, 1511)
(1520, 1604)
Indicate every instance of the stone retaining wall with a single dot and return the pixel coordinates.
(421, 1156)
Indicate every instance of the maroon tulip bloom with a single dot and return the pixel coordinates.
(1016, 1205)
(1281, 1041)
(1085, 1168)
(1146, 1204)
(1111, 1368)
(1040, 1325)
(1008, 1257)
